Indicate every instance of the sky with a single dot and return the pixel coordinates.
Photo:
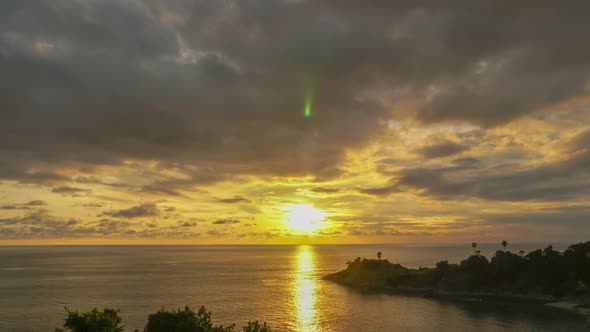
(294, 121)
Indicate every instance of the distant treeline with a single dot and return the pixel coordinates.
(543, 272)
(187, 320)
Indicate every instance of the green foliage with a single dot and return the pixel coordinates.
(442, 265)
(256, 327)
(581, 287)
(541, 272)
(107, 320)
(164, 320)
(373, 273)
(178, 321)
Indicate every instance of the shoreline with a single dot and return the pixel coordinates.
(549, 302)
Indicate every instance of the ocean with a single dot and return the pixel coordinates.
(281, 285)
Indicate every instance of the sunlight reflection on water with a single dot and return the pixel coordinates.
(281, 285)
(304, 290)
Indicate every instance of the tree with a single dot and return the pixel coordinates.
(379, 254)
(107, 320)
(478, 252)
(189, 321)
(442, 265)
(256, 327)
(504, 244)
(474, 245)
(185, 320)
(521, 253)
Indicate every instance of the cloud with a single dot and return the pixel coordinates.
(390, 188)
(574, 217)
(193, 91)
(26, 206)
(442, 149)
(71, 191)
(216, 233)
(162, 99)
(323, 190)
(143, 210)
(93, 205)
(226, 221)
(580, 142)
(36, 203)
(568, 178)
(380, 191)
(39, 224)
(236, 199)
(189, 224)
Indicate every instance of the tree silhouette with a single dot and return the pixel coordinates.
(478, 252)
(474, 245)
(186, 320)
(504, 244)
(107, 320)
(379, 254)
(521, 253)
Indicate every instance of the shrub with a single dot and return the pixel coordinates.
(107, 320)
(164, 320)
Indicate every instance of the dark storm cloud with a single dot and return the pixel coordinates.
(565, 179)
(442, 149)
(222, 83)
(143, 210)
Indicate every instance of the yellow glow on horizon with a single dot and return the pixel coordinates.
(304, 217)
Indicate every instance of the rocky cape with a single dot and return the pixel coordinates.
(507, 276)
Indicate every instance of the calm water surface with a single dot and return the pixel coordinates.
(278, 284)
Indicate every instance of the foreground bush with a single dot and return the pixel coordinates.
(164, 320)
(107, 320)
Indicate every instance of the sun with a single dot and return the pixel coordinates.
(304, 217)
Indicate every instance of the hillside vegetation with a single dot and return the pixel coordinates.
(540, 273)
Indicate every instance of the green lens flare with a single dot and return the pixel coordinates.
(308, 98)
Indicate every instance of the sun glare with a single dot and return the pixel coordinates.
(304, 217)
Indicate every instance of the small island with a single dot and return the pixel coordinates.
(558, 279)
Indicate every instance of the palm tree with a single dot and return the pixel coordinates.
(379, 254)
(474, 245)
(504, 244)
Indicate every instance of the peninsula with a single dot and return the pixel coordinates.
(559, 279)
